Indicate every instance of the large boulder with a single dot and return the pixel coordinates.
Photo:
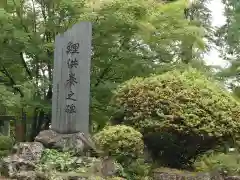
(29, 151)
(173, 174)
(232, 178)
(53, 161)
(26, 156)
(79, 176)
(103, 167)
(27, 175)
(32, 175)
(77, 142)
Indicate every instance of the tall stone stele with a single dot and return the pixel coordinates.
(71, 80)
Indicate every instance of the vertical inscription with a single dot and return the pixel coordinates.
(57, 99)
(71, 79)
(72, 49)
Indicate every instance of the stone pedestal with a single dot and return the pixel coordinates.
(26, 157)
(77, 142)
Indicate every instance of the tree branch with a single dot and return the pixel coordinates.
(25, 66)
(107, 69)
(22, 59)
(12, 81)
(104, 72)
(21, 20)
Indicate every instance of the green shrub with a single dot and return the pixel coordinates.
(54, 160)
(229, 163)
(180, 114)
(6, 143)
(4, 153)
(64, 162)
(137, 170)
(120, 141)
(116, 178)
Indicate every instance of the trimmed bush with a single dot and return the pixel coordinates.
(6, 144)
(120, 141)
(138, 170)
(4, 153)
(180, 114)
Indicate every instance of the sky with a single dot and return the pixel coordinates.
(218, 19)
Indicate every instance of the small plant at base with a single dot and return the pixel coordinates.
(137, 170)
(120, 141)
(228, 163)
(52, 159)
(6, 144)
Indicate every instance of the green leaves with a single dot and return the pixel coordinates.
(181, 113)
(219, 161)
(130, 38)
(54, 160)
(203, 106)
(228, 40)
(6, 143)
(120, 141)
(134, 38)
(2, 14)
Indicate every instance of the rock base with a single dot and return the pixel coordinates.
(173, 174)
(77, 142)
(26, 156)
(22, 164)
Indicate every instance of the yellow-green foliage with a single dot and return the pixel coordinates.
(181, 114)
(116, 178)
(138, 170)
(6, 145)
(182, 101)
(121, 141)
(229, 163)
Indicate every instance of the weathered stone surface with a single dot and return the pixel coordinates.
(74, 176)
(76, 142)
(12, 164)
(78, 176)
(30, 151)
(4, 178)
(108, 166)
(103, 167)
(232, 178)
(26, 156)
(26, 175)
(172, 174)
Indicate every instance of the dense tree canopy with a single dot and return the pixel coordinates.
(228, 40)
(130, 38)
(147, 74)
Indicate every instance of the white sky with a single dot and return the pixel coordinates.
(218, 19)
